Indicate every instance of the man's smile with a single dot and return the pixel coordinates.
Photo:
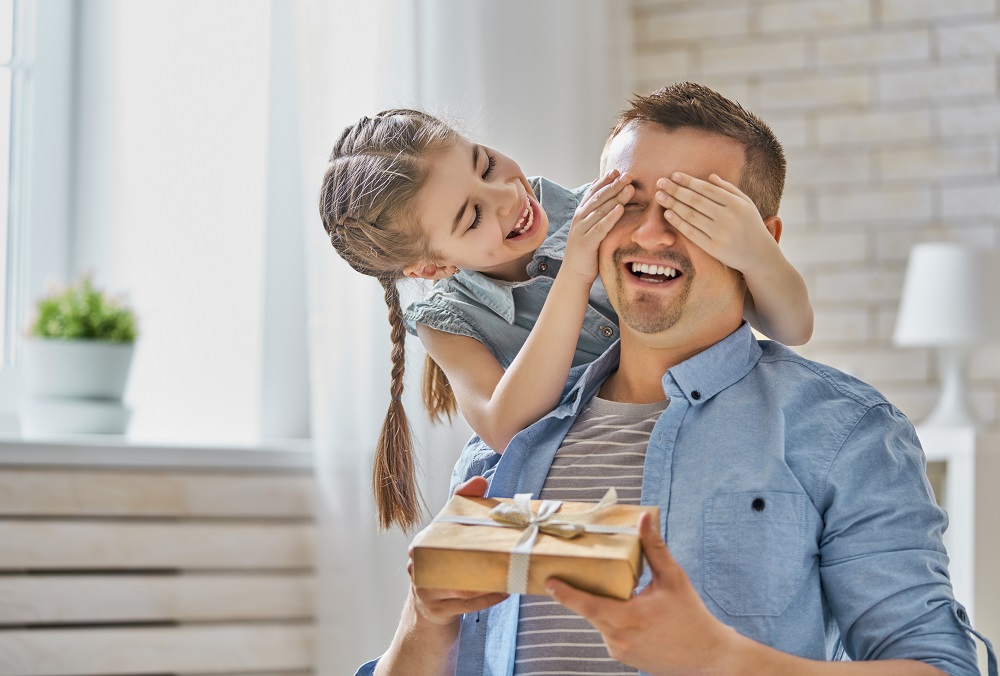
(657, 274)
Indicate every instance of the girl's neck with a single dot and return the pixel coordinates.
(512, 271)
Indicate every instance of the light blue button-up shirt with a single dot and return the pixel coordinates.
(794, 497)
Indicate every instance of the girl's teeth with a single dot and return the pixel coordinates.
(521, 226)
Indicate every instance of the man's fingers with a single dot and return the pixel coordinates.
(589, 606)
(473, 488)
(661, 562)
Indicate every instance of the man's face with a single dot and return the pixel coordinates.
(697, 293)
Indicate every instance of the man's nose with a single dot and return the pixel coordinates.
(653, 230)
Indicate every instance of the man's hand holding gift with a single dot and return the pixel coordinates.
(665, 628)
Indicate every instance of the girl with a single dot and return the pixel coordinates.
(517, 301)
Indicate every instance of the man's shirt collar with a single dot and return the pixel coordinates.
(698, 379)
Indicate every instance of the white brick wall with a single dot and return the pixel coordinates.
(889, 111)
(803, 16)
(929, 10)
(869, 126)
(862, 49)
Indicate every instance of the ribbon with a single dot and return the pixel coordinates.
(518, 514)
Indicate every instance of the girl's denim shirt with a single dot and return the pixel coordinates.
(499, 314)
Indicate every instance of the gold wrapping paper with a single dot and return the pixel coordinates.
(457, 556)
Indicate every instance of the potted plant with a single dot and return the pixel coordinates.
(77, 358)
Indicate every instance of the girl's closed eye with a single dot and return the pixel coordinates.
(491, 162)
(479, 214)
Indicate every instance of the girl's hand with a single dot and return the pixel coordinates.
(719, 218)
(600, 209)
(445, 606)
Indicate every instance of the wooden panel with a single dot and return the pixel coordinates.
(180, 650)
(121, 545)
(175, 494)
(107, 599)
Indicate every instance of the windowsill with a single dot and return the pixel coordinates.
(119, 451)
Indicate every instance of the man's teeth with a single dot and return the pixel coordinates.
(648, 269)
(524, 223)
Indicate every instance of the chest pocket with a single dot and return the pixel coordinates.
(754, 550)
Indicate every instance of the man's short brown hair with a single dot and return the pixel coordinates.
(690, 105)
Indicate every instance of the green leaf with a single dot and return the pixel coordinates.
(82, 312)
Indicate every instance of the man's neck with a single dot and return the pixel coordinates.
(645, 359)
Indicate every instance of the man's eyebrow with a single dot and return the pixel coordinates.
(458, 216)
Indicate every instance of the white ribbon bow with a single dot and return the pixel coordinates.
(518, 514)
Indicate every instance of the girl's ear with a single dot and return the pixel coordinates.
(426, 270)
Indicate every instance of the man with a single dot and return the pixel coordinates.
(799, 525)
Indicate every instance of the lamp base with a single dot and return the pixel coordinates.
(952, 409)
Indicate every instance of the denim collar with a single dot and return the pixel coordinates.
(698, 379)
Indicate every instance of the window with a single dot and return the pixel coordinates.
(11, 84)
(37, 46)
(160, 170)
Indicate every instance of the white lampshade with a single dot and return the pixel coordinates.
(950, 297)
(949, 302)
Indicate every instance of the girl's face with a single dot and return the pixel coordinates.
(478, 213)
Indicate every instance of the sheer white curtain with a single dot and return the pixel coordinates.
(539, 80)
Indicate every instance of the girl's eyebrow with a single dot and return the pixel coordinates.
(458, 216)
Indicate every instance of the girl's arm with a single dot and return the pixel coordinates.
(723, 221)
(426, 640)
(500, 404)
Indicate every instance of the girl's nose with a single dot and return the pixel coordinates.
(508, 198)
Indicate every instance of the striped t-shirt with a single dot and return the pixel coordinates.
(605, 447)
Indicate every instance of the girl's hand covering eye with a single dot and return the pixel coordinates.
(718, 217)
(602, 206)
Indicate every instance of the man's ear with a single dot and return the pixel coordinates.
(773, 224)
(428, 270)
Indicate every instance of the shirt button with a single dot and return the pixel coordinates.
(542, 267)
(696, 395)
(607, 331)
(758, 504)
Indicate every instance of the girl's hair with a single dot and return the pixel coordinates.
(377, 167)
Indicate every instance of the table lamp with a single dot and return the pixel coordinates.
(949, 302)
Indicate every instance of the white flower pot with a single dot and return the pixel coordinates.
(76, 368)
(45, 416)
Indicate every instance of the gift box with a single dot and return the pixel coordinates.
(515, 545)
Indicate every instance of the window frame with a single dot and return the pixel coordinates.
(41, 170)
